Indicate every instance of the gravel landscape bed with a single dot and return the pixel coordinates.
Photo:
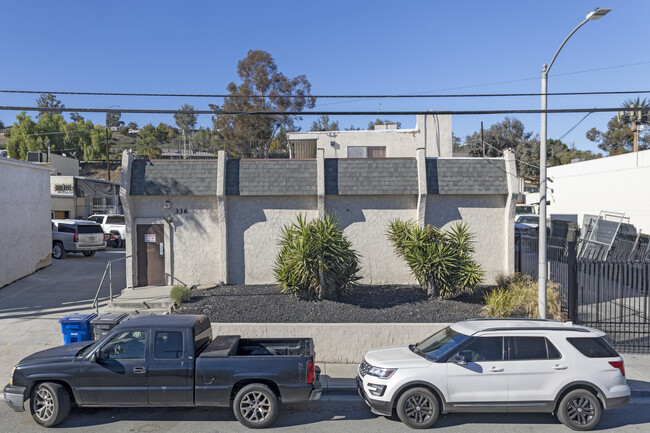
(368, 304)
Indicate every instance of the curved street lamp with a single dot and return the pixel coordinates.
(543, 267)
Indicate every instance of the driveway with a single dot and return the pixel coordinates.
(31, 307)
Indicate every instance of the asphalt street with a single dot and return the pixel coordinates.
(318, 416)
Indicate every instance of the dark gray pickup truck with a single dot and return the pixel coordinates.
(167, 361)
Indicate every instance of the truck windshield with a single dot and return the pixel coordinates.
(441, 343)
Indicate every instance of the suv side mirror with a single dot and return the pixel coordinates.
(459, 360)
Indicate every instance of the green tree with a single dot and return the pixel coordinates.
(619, 137)
(76, 117)
(262, 88)
(508, 134)
(323, 123)
(85, 141)
(161, 133)
(186, 121)
(559, 153)
(22, 137)
(353, 128)
(147, 143)
(132, 125)
(371, 125)
(113, 119)
(49, 100)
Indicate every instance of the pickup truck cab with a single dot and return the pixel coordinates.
(114, 225)
(167, 361)
(497, 365)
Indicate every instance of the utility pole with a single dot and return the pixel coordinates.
(108, 164)
(482, 142)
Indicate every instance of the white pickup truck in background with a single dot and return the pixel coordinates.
(112, 224)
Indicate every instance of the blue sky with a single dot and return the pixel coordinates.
(344, 47)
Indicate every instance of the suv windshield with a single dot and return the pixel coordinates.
(440, 344)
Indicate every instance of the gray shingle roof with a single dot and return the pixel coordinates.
(466, 176)
(371, 176)
(174, 177)
(271, 177)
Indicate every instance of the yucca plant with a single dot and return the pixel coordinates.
(440, 260)
(316, 259)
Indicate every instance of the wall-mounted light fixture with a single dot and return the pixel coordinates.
(169, 219)
(167, 204)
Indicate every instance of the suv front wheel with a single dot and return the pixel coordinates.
(418, 408)
(58, 252)
(579, 410)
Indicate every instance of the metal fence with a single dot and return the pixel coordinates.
(611, 295)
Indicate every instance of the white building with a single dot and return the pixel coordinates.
(431, 132)
(25, 227)
(618, 183)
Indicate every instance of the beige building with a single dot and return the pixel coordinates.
(25, 227)
(205, 221)
(431, 133)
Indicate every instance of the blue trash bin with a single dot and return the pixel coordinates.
(76, 327)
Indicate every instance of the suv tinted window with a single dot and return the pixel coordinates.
(529, 348)
(593, 347)
(66, 228)
(89, 228)
(483, 349)
(115, 220)
(168, 345)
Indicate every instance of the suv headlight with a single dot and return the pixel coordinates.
(382, 373)
(11, 376)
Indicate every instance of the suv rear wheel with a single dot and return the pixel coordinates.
(418, 408)
(579, 410)
(58, 252)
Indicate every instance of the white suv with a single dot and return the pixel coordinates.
(497, 365)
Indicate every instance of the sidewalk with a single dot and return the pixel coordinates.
(340, 378)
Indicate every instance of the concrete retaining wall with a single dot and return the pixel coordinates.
(336, 343)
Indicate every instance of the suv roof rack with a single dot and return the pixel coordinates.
(529, 328)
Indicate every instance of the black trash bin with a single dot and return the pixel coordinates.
(105, 323)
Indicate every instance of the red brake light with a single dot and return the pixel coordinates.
(76, 236)
(619, 365)
(310, 372)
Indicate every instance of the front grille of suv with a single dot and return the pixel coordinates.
(364, 367)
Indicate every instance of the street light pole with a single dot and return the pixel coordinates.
(543, 266)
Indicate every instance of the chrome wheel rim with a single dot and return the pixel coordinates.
(580, 410)
(43, 404)
(57, 251)
(255, 406)
(418, 408)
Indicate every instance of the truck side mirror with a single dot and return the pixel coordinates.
(93, 357)
(459, 360)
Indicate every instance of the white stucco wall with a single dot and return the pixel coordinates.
(432, 133)
(365, 220)
(616, 183)
(254, 224)
(485, 215)
(193, 236)
(25, 226)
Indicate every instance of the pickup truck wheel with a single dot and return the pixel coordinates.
(579, 410)
(58, 252)
(49, 404)
(418, 408)
(89, 253)
(256, 406)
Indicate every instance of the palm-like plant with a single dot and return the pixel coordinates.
(315, 258)
(440, 260)
(636, 113)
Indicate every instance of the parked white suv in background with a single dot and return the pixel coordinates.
(497, 365)
(112, 224)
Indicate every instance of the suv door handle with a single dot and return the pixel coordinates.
(496, 370)
(139, 370)
(559, 367)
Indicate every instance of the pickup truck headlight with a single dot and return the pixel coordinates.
(11, 376)
(382, 373)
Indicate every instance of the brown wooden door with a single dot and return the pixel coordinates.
(151, 261)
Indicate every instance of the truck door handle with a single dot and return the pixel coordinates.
(559, 367)
(139, 370)
(496, 370)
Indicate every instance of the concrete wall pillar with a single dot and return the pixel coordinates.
(320, 179)
(421, 160)
(509, 212)
(125, 187)
(222, 219)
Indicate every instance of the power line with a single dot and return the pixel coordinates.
(320, 113)
(381, 96)
(574, 126)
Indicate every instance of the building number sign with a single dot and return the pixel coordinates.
(180, 211)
